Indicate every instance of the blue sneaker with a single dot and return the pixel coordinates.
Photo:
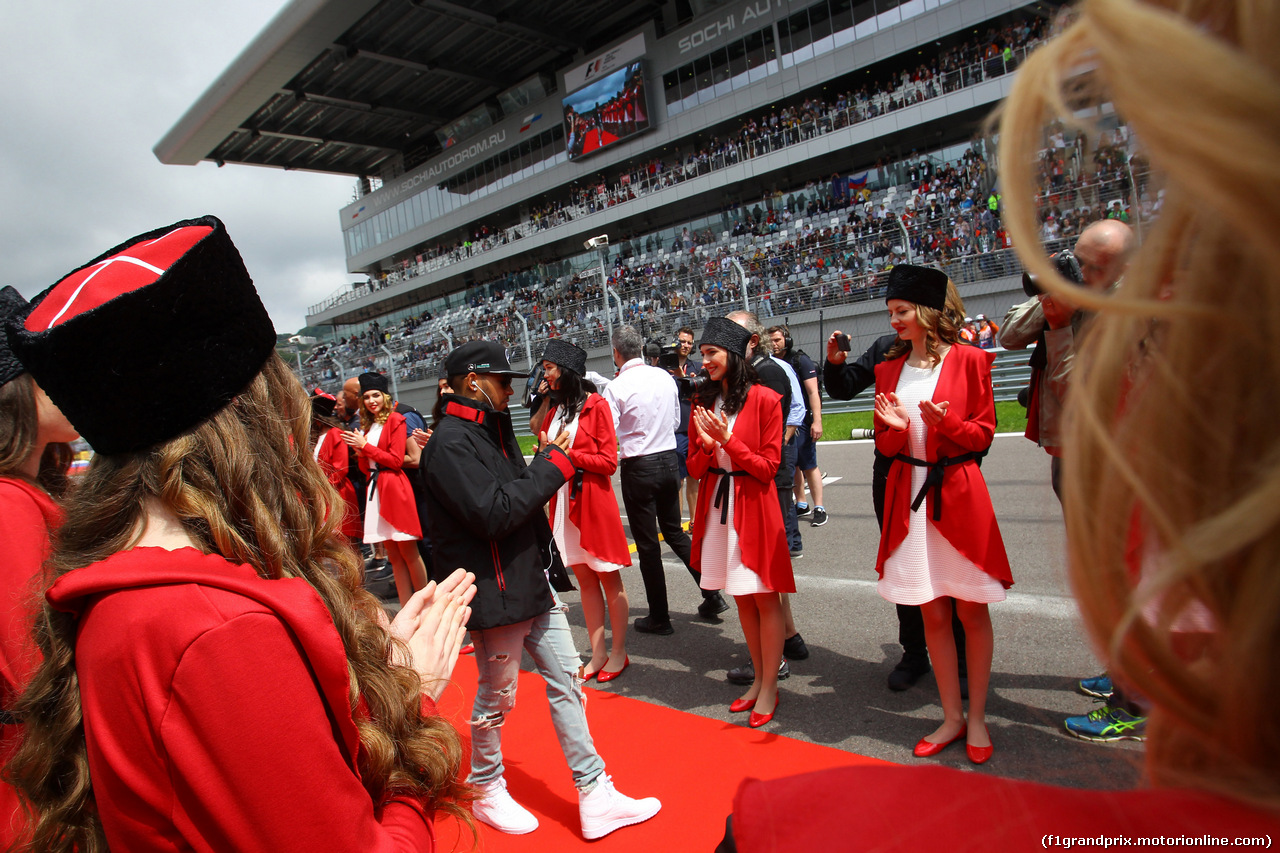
(1107, 724)
(1099, 687)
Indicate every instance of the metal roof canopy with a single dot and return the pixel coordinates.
(341, 86)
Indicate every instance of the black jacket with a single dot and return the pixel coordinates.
(484, 507)
(848, 380)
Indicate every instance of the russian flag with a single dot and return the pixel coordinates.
(529, 120)
(858, 182)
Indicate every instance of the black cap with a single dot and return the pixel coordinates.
(479, 357)
(920, 285)
(565, 354)
(726, 334)
(173, 311)
(12, 306)
(370, 381)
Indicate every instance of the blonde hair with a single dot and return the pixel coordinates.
(1171, 439)
(940, 327)
(366, 417)
(272, 509)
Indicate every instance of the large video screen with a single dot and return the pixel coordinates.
(607, 111)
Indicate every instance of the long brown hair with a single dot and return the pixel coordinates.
(19, 431)
(272, 509)
(940, 327)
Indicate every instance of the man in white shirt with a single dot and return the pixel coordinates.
(646, 411)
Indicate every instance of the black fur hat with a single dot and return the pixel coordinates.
(374, 382)
(172, 313)
(726, 334)
(920, 285)
(566, 355)
(11, 307)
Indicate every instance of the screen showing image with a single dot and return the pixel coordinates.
(609, 110)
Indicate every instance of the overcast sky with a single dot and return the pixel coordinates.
(89, 88)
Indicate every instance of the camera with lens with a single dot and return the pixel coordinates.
(667, 356)
(1067, 266)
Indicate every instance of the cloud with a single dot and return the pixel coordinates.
(91, 87)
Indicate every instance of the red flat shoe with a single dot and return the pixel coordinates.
(740, 705)
(468, 649)
(927, 748)
(758, 720)
(604, 676)
(980, 754)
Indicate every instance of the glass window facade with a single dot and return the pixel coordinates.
(730, 66)
(496, 173)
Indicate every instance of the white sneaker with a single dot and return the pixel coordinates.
(604, 809)
(500, 811)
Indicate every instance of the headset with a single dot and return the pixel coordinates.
(786, 337)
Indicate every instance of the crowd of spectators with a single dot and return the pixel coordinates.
(813, 248)
(964, 65)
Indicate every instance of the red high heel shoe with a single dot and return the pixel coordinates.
(927, 748)
(740, 705)
(758, 720)
(604, 677)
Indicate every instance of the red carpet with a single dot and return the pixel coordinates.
(592, 140)
(691, 763)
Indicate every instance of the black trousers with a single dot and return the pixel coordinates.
(651, 495)
(786, 500)
(910, 620)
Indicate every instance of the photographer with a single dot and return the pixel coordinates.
(1052, 323)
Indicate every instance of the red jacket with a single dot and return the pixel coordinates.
(968, 520)
(27, 516)
(216, 711)
(595, 511)
(862, 808)
(396, 503)
(335, 460)
(755, 447)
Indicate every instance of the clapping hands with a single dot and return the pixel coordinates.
(432, 625)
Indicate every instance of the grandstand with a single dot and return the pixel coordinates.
(781, 156)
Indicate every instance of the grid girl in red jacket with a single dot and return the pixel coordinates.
(34, 456)
(390, 511)
(584, 512)
(935, 417)
(739, 543)
(214, 677)
(334, 457)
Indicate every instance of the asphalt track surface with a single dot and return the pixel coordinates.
(838, 696)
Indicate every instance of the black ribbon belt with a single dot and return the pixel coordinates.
(373, 480)
(577, 484)
(933, 480)
(722, 491)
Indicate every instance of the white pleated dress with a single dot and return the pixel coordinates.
(568, 537)
(722, 566)
(925, 565)
(376, 528)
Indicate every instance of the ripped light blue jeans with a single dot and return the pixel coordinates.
(550, 644)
